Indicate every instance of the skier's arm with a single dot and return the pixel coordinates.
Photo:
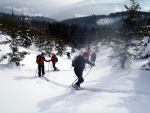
(52, 59)
(88, 62)
(46, 60)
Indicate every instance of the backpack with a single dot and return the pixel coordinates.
(56, 59)
(38, 60)
(74, 61)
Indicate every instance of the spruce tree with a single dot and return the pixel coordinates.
(131, 19)
(126, 34)
(23, 37)
(14, 56)
(40, 37)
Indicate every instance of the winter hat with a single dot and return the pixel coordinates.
(86, 54)
(53, 54)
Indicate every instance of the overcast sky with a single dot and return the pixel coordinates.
(32, 1)
(61, 1)
(70, 1)
(74, 1)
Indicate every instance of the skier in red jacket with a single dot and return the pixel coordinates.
(54, 60)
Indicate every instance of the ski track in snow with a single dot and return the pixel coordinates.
(68, 87)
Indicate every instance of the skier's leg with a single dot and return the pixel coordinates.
(39, 70)
(54, 67)
(43, 70)
(80, 78)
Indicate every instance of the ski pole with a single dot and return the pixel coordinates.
(35, 73)
(72, 83)
(88, 72)
(51, 65)
(48, 69)
(77, 78)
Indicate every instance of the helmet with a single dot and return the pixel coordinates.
(86, 54)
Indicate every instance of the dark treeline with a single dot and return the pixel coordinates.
(76, 32)
(35, 18)
(91, 21)
(60, 33)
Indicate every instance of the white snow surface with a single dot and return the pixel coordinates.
(106, 21)
(108, 89)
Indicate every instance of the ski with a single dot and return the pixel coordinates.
(79, 89)
(57, 70)
(76, 88)
(42, 78)
(88, 89)
(45, 78)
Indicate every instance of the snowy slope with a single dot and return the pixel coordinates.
(109, 89)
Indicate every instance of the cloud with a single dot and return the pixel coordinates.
(63, 1)
(80, 15)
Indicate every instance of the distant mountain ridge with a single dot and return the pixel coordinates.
(19, 8)
(56, 11)
(60, 12)
(90, 9)
(35, 18)
(29, 9)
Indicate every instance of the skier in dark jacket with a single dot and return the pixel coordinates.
(79, 66)
(93, 57)
(40, 61)
(68, 55)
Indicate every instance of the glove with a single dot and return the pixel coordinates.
(93, 64)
